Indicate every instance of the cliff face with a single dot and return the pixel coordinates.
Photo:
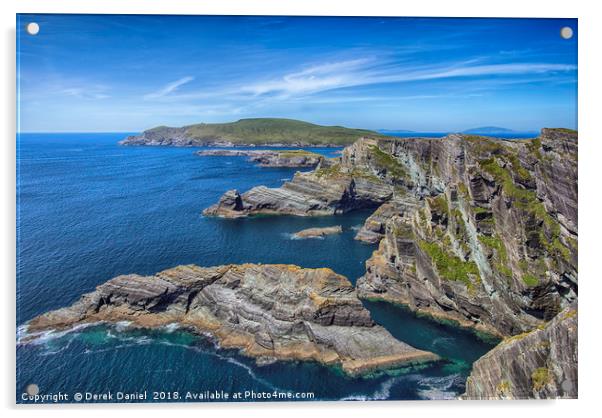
(328, 190)
(540, 364)
(493, 242)
(267, 311)
(477, 230)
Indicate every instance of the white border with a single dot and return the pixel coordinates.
(590, 203)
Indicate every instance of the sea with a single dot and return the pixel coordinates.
(89, 210)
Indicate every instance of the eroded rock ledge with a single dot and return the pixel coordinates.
(477, 230)
(267, 311)
(539, 364)
(270, 158)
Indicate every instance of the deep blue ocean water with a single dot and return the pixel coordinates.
(89, 210)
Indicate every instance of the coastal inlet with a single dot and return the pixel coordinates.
(137, 225)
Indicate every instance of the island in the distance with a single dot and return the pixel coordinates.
(250, 132)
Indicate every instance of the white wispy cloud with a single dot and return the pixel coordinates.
(88, 93)
(361, 72)
(312, 79)
(169, 88)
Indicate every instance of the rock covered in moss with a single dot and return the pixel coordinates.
(539, 364)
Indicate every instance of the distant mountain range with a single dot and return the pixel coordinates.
(483, 130)
(488, 130)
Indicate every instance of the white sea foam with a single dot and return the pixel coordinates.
(43, 337)
(437, 388)
(122, 325)
(294, 237)
(382, 393)
(443, 341)
(169, 328)
(228, 359)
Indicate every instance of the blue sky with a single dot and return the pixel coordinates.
(129, 73)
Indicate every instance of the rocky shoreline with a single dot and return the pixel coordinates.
(476, 230)
(269, 312)
(270, 158)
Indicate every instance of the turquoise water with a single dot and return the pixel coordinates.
(89, 210)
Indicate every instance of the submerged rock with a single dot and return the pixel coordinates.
(539, 364)
(271, 158)
(318, 232)
(267, 311)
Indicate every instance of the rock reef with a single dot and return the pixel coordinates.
(271, 158)
(270, 312)
(318, 232)
(538, 364)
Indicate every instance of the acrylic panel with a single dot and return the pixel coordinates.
(273, 208)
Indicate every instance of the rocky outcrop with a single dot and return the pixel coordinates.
(267, 311)
(166, 136)
(480, 231)
(539, 364)
(373, 229)
(492, 244)
(271, 158)
(333, 188)
(318, 232)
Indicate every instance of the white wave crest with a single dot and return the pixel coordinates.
(380, 394)
(438, 388)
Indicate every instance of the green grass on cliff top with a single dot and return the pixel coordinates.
(273, 131)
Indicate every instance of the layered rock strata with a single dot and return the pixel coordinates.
(477, 230)
(330, 189)
(493, 244)
(267, 311)
(271, 158)
(538, 364)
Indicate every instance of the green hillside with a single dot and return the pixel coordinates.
(273, 130)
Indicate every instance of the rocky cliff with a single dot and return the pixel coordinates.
(476, 230)
(492, 243)
(333, 188)
(267, 311)
(539, 364)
